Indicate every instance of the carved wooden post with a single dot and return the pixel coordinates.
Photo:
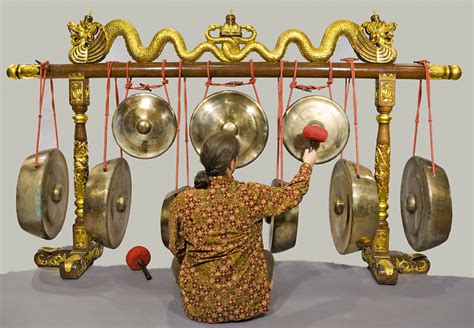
(84, 250)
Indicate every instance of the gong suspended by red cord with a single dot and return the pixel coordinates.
(43, 184)
(108, 192)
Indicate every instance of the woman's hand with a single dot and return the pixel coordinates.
(310, 157)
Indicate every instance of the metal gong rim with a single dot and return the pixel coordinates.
(107, 201)
(144, 125)
(283, 227)
(236, 113)
(425, 203)
(315, 110)
(353, 206)
(42, 194)
(166, 214)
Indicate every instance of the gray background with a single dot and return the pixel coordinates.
(438, 30)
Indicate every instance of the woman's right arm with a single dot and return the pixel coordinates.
(271, 201)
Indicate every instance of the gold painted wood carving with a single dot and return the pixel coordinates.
(372, 42)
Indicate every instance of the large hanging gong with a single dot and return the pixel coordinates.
(353, 206)
(425, 203)
(283, 227)
(107, 200)
(166, 214)
(234, 112)
(42, 194)
(144, 125)
(315, 110)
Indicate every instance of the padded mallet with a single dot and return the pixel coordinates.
(315, 134)
(138, 258)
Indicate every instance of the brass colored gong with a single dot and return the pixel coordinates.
(107, 200)
(315, 110)
(425, 203)
(353, 206)
(234, 112)
(166, 214)
(42, 194)
(144, 125)
(283, 227)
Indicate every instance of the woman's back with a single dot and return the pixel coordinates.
(218, 233)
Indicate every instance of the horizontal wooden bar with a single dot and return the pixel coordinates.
(237, 70)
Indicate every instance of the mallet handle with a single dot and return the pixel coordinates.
(144, 269)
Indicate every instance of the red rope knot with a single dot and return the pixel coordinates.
(128, 85)
(234, 83)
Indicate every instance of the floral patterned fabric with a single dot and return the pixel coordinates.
(218, 233)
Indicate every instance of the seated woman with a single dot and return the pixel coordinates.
(216, 235)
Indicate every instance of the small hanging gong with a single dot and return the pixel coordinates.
(353, 206)
(42, 194)
(425, 203)
(107, 200)
(283, 227)
(236, 113)
(320, 111)
(166, 214)
(144, 125)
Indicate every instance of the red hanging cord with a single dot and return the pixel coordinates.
(354, 105)
(294, 84)
(43, 72)
(149, 87)
(232, 84)
(279, 165)
(106, 124)
(347, 83)
(180, 67)
(425, 63)
(53, 108)
(186, 136)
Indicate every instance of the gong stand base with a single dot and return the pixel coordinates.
(385, 268)
(72, 263)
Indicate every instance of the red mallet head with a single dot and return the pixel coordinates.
(315, 133)
(138, 258)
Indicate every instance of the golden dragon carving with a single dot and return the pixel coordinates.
(371, 41)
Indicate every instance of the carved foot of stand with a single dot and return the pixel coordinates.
(385, 269)
(410, 263)
(77, 262)
(51, 257)
(72, 264)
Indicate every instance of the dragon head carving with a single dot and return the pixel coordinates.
(380, 33)
(88, 40)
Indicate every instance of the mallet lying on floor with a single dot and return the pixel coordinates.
(138, 258)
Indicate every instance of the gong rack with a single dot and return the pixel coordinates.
(371, 41)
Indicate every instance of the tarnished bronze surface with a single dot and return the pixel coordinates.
(42, 194)
(234, 112)
(144, 125)
(166, 213)
(315, 110)
(283, 227)
(425, 203)
(353, 206)
(107, 202)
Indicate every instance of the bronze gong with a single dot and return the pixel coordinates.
(234, 112)
(42, 194)
(107, 200)
(166, 214)
(353, 206)
(144, 125)
(315, 110)
(283, 227)
(425, 203)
